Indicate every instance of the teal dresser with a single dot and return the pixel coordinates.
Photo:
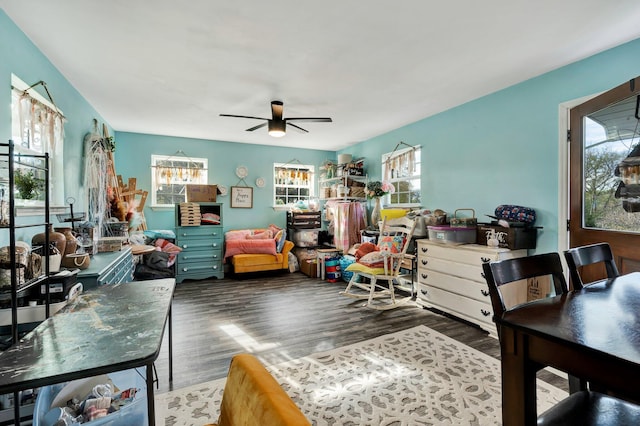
(108, 268)
(202, 245)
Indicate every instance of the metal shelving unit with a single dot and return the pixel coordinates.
(8, 162)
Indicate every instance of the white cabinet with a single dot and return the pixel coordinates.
(450, 279)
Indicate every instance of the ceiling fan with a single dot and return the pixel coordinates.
(277, 124)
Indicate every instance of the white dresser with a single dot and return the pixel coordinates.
(450, 279)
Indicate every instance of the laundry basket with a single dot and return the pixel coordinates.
(133, 413)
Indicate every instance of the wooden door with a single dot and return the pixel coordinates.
(603, 133)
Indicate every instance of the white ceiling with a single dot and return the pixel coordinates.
(170, 68)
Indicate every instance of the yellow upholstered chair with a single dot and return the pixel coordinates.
(252, 397)
(394, 239)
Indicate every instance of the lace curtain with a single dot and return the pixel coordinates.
(39, 128)
(399, 164)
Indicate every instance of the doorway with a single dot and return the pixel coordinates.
(604, 201)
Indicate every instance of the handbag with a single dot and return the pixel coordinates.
(78, 260)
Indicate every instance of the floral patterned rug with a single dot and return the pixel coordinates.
(413, 377)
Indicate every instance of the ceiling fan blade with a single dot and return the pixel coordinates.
(276, 110)
(257, 127)
(298, 127)
(243, 116)
(316, 119)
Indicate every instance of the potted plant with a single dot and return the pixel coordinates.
(27, 184)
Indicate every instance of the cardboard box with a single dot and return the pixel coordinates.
(309, 268)
(202, 193)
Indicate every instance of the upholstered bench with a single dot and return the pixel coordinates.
(252, 397)
(253, 250)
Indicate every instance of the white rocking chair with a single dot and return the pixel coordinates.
(394, 239)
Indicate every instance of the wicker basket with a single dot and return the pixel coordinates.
(357, 191)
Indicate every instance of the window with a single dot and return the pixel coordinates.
(402, 169)
(37, 127)
(292, 183)
(170, 175)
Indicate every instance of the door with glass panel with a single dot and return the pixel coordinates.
(604, 154)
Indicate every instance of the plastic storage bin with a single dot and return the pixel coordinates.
(132, 414)
(450, 235)
(305, 238)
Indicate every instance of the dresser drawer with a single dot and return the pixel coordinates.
(463, 307)
(472, 254)
(199, 256)
(463, 287)
(187, 270)
(200, 244)
(462, 270)
(210, 231)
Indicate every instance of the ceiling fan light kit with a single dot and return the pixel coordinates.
(277, 129)
(277, 126)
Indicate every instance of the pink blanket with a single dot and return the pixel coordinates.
(244, 246)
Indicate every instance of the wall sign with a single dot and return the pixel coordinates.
(242, 197)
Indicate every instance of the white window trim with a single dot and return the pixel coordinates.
(312, 182)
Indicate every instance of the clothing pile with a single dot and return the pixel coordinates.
(101, 402)
(159, 263)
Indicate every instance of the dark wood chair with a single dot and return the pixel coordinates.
(578, 257)
(582, 407)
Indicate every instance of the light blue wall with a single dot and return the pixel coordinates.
(503, 148)
(19, 56)
(133, 159)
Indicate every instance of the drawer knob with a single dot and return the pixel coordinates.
(184, 246)
(485, 259)
(215, 256)
(485, 293)
(485, 312)
(424, 249)
(424, 262)
(214, 245)
(424, 276)
(425, 292)
(215, 266)
(185, 269)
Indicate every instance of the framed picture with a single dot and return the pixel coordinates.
(242, 197)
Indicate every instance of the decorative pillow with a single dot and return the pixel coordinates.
(359, 267)
(280, 238)
(375, 259)
(364, 249)
(392, 243)
(274, 229)
(260, 236)
(233, 247)
(239, 234)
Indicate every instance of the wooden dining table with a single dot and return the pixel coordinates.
(592, 333)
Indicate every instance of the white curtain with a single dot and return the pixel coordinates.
(41, 129)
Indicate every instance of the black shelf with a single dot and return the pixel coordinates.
(9, 159)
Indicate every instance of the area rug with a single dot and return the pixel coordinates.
(413, 377)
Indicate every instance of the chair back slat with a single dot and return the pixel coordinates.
(520, 270)
(592, 254)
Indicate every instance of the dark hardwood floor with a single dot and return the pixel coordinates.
(281, 317)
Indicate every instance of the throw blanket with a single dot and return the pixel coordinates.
(245, 246)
